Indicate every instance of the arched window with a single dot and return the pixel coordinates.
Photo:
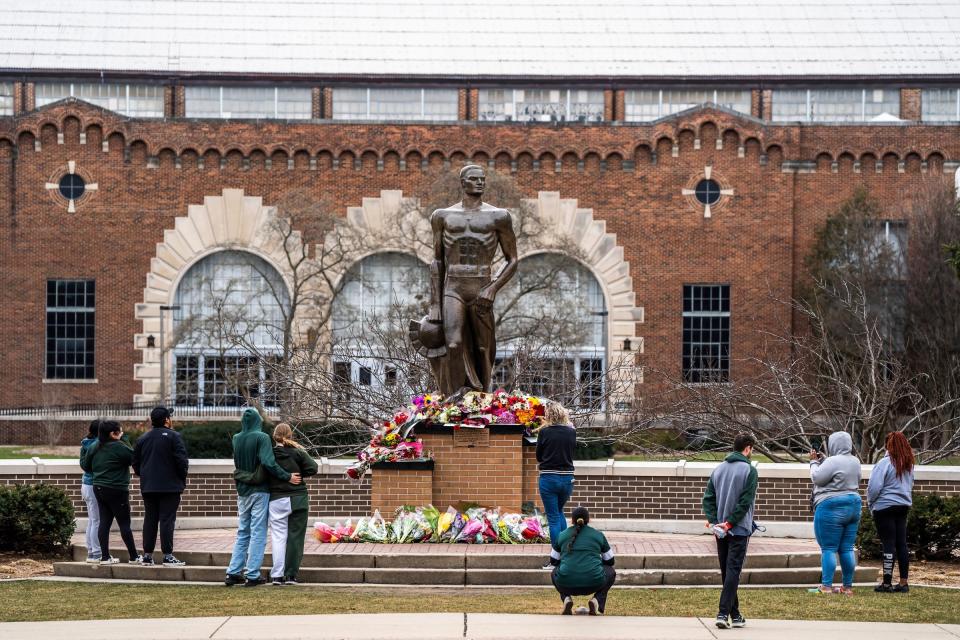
(380, 295)
(229, 322)
(552, 331)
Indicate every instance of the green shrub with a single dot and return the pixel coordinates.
(209, 439)
(594, 449)
(35, 518)
(933, 529)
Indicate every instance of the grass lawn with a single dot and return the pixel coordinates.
(27, 452)
(41, 600)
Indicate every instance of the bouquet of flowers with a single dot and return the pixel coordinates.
(373, 529)
(477, 408)
(387, 444)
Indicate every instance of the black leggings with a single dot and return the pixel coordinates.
(892, 529)
(114, 503)
(609, 577)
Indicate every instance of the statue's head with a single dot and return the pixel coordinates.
(473, 179)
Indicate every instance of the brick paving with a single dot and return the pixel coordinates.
(623, 543)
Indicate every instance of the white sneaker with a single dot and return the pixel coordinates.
(594, 607)
(568, 606)
(93, 560)
(137, 560)
(110, 560)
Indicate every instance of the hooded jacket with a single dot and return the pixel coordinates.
(839, 474)
(886, 490)
(252, 447)
(108, 464)
(731, 493)
(160, 459)
(84, 445)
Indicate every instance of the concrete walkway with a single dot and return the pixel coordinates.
(454, 626)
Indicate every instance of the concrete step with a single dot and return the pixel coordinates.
(458, 557)
(452, 576)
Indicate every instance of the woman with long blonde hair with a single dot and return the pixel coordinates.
(555, 446)
(289, 505)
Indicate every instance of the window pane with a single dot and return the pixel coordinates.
(202, 102)
(70, 330)
(881, 102)
(441, 104)
(48, 92)
(146, 101)
(350, 104)
(496, 104)
(294, 103)
(642, 105)
(705, 354)
(940, 105)
(395, 104)
(248, 102)
(789, 104)
(6, 98)
(542, 105)
(736, 99)
(836, 105)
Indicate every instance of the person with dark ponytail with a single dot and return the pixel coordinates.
(108, 461)
(889, 498)
(90, 499)
(583, 564)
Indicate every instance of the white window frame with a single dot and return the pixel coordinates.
(956, 100)
(126, 107)
(369, 116)
(511, 116)
(808, 116)
(276, 107)
(660, 103)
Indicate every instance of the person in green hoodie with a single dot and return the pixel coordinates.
(289, 505)
(108, 462)
(253, 453)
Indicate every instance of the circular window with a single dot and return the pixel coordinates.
(707, 191)
(72, 186)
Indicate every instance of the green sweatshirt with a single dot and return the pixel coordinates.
(109, 464)
(252, 447)
(294, 460)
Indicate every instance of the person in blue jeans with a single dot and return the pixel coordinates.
(253, 452)
(837, 507)
(555, 446)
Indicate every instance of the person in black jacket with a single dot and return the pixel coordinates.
(160, 459)
(555, 445)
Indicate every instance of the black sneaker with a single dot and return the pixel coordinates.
(901, 588)
(568, 606)
(723, 622)
(255, 582)
(233, 579)
(146, 560)
(883, 587)
(277, 582)
(171, 561)
(290, 581)
(738, 622)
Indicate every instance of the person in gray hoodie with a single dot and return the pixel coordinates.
(728, 505)
(837, 506)
(889, 498)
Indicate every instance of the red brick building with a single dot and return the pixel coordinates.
(122, 167)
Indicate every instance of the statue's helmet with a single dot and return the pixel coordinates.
(427, 337)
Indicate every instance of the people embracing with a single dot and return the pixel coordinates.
(253, 453)
(160, 460)
(837, 506)
(889, 498)
(582, 563)
(108, 462)
(556, 443)
(289, 505)
(90, 499)
(728, 504)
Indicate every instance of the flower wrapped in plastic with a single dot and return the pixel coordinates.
(432, 517)
(373, 529)
(472, 531)
(344, 531)
(533, 529)
(511, 528)
(324, 532)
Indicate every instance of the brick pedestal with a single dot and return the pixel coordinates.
(398, 483)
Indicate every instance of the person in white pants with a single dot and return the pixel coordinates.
(280, 510)
(90, 499)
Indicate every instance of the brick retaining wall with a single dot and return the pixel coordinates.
(623, 490)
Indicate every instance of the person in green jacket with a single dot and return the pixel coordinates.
(583, 564)
(252, 453)
(289, 505)
(108, 462)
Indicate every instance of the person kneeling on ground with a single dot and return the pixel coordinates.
(583, 564)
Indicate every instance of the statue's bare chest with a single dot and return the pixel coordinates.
(478, 224)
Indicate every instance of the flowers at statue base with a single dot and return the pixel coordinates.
(475, 525)
(392, 442)
(386, 445)
(478, 408)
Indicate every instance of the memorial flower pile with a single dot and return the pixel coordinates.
(428, 525)
(393, 442)
(388, 444)
(477, 408)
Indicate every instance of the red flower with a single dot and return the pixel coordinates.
(353, 473)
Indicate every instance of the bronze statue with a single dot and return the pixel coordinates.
(465, 240)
